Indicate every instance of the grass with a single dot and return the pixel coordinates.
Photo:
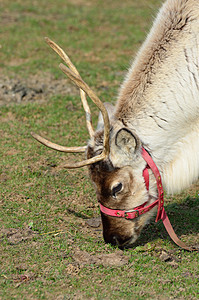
(47, 249)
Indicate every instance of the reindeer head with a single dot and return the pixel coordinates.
(115, 164)
(120, 184)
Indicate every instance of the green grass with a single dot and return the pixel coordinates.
(37, 195)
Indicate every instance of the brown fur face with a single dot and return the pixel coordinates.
(119, 188)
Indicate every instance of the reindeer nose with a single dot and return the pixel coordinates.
(116, 240)
(111, 239)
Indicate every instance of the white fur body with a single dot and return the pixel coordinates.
(167, 120)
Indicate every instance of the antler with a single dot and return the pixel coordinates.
(57, 147)
(81, 84)
(67, 60)
(74, 75)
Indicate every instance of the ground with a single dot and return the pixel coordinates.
(51, 240)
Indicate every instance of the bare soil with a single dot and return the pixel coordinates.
(37, 88)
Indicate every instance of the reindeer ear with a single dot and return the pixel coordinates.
(127, 142)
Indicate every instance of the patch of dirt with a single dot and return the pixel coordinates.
(8, 18)
(94, 222)
(169, 258)
(34, 88)
(16, 236)
(116, 259)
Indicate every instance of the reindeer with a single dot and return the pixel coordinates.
(150, 138)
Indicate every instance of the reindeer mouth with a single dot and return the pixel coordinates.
(121, 244)
(128, 243)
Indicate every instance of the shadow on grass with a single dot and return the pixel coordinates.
(183, 217)
(77, 214)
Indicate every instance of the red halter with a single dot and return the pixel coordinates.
(139, 210)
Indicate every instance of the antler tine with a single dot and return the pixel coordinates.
(86, 162)
(67, 60)
(56, 146)
(81, 84)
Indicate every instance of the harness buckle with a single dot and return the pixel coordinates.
(126, 216)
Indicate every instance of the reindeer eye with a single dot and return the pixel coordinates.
(116, 189)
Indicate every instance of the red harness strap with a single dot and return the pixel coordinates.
(128, 214)
(153, 167)
(139, 210)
